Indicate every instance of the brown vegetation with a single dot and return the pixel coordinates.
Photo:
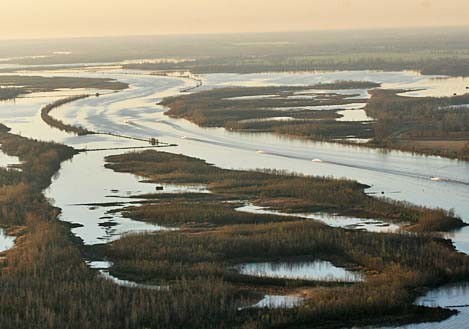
(427, 64)
(421, 124)
(428, 125)
(276, 189)
(51, 121)
(238, 108)
(21, 85)
(45, 283)
(398, 266)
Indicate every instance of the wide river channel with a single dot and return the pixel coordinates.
(84, 181)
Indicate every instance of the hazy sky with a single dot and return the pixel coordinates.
(57, 18)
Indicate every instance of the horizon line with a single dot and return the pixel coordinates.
(195, 34)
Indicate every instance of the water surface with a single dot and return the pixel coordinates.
(371, 225)
(278, 301)
(7, 161)
(452, 296)
(397, 175)
(309, 270)
(6, 242)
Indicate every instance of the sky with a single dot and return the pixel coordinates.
(68, 18)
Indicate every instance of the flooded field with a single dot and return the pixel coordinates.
(96, 194)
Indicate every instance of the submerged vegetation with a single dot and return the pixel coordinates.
(21, 191)
(47, 258)
(397, 266)
(39, 276)
(10, 93)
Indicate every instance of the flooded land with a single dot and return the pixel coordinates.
(257, 198)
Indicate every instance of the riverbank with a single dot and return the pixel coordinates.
(393, 121)
(427, 125)
(212, 243)
(46, 264)
(428, 63)
(51, 121)
(276, 190)
(48, 258)
(216, 301)
(14, 86)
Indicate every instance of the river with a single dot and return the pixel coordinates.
(397, 175)
(400, 175)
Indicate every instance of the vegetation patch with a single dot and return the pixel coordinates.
(51, 121)
(275, 189)
(397, 268)
(17, 85)
(309, 111)
(441, 62)
(214, 242)
(427, 125)
(430, 125)
(46, 267)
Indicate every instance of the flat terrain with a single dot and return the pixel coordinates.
(194, 269)
(307, 112)
(428, 125)
(277, 190)
(214, 240)
(193, 265)
(13, 86)
(437, 126)
(425, 62)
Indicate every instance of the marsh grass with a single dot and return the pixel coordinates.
(278, 190)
